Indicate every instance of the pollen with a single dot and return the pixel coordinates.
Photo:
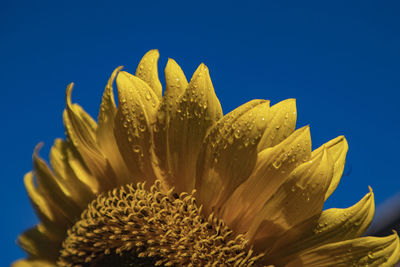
(132, 225)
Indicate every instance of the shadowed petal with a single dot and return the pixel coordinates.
(54, 189)
(105, 132)
(51, 217)
(38, 244)
(33, 263)
(81, 130)
(363, 251)
(80, 192)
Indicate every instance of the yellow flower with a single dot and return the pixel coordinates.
(168, 180)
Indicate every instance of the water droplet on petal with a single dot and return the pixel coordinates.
(137, 148)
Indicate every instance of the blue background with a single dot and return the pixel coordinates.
(339, 60)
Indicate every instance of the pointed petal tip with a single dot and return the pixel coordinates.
(152, 52)
(305, 129)
(370, 190)
(123, 77)
(202, 68)
(37, 148)
(68, 94)
(171, 61)
(119, 68)
(155, 51)
(172, 65)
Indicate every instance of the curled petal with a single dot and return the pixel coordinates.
(229, 153)
(363, 251)
(147, 71)
(105, 132)
(81, 130)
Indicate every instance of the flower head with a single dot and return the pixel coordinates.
(168, 180)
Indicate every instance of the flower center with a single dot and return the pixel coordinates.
(132, 226)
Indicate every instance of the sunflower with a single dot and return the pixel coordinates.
(168, 180)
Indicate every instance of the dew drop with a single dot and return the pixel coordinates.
(142, 127)
(156, 129)
(148, 95)
(277, 164)
(137, 148)
(238, 133)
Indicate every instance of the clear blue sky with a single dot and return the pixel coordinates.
(340, 60)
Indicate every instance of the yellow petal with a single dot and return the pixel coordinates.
(136, 112)
(337, 148)
(175, 80)
(105, 132)
(176, 84)
(44, 210)
(80, 169)
(147, 71)
(32, 263)
(196, 110)
(79, 192)
(363, 251)
(54, 189)
(281, 123)
(300, 197)
(272, 167)
(229, 153)
(81, 130)
(332, 225)
(37, 244)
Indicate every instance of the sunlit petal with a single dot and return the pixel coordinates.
(273, 166)
(301, 196)
(137, 107)
(196, 110)
(281, 121)
(331, 226)
(147, 70)
(338, 150)
(229, 152)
